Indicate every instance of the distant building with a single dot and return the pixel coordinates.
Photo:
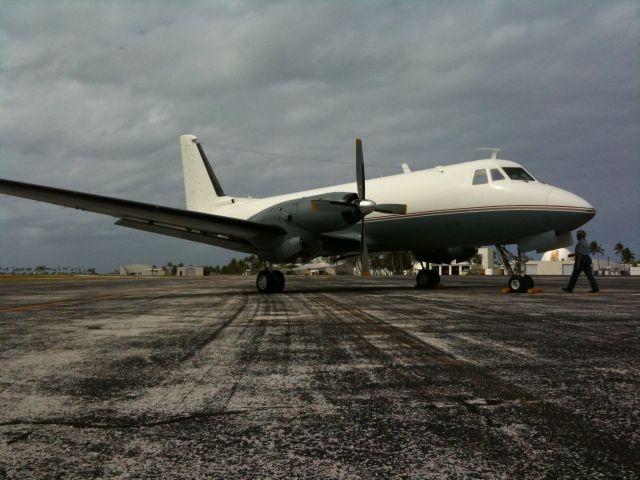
(315, 268)
(322, 267)
(604, 266)
(190, 271)
(139, 269)
(453, 268)
(558, 262)
(485, 267)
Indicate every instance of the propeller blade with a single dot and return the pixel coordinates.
(364, 252)
(329, 205)
(396, 208)
(360, 169)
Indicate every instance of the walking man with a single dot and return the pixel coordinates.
(582, 264)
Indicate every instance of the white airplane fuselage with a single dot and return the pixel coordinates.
(445, 209)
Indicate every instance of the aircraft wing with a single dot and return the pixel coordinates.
(217, 230)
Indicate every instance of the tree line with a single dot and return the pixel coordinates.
(46, 270)
(624, 253)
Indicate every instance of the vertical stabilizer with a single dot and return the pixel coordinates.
(202, 189)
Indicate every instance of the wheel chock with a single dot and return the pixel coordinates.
(534, 290)
(505, 290)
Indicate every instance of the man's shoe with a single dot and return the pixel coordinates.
(567, 290)
(594, 291)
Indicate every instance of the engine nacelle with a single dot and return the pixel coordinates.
(301, 213)
(446, 255)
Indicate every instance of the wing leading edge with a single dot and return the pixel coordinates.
(227, 232)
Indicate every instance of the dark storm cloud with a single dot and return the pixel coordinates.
(93, 96)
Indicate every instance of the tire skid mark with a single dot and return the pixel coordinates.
(407, 344)
(398, 367)
(85, 299)
(198, 347)
(571, 427)
(215, 333)
(502, 347)
(260, 321)
(542, 326)
(137, 422)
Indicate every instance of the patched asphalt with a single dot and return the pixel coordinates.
(337, 377)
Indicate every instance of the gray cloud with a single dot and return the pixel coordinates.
(93, 96)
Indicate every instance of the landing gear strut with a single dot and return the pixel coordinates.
(518, 283)
(270, 281)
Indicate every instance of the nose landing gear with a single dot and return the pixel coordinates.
(518, 283)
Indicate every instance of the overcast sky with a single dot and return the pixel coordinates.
(94, 97)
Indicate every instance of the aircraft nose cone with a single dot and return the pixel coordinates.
(567, 200)
(567, 210)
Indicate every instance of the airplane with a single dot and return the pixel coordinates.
(441, 214)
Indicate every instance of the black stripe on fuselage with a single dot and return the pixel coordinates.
(491, 208)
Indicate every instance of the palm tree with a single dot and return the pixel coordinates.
(627, 256)
(596, 249)
(618, 248)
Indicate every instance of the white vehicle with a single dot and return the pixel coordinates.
(441, 214)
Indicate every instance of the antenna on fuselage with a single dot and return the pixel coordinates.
(494, 151)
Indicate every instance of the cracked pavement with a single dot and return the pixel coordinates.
(337, 377)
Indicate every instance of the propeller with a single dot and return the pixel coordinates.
(362, 206)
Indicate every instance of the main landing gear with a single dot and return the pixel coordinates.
(427, 278)
(518, 283)
(270, 281)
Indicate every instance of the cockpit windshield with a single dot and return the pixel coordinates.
(518, 173)
(496, 175)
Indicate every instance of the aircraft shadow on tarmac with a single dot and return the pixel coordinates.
(311, 289)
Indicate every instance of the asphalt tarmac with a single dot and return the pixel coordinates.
(337, 377)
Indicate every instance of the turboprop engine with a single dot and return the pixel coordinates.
(304, 222)
(304, 213)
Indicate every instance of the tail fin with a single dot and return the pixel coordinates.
(202, 189)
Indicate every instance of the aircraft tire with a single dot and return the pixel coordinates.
(529, 282)
(434, 277)
(517, 284)
(422, 279)
(265, 282)
(427, 278)
(278, 276)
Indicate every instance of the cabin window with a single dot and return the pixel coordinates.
(496, 175)
(480, 177)
(517, 173)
